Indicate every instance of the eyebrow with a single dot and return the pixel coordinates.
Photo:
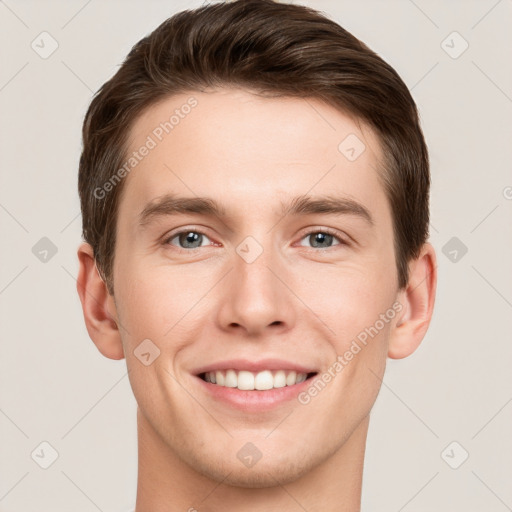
(169, 204)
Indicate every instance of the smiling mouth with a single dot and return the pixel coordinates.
(255, 381)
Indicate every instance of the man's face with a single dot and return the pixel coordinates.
(255, 282)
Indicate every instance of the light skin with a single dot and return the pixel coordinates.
(303, 299)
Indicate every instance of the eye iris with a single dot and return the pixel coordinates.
(190, 237)
(321, 237)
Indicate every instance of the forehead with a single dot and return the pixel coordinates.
(237, 146)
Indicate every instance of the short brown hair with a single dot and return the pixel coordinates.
(272, 48)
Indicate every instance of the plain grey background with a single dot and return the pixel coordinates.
(450, 399)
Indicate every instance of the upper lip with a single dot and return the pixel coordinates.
(254, 366)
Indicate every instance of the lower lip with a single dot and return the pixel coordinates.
(255, 400)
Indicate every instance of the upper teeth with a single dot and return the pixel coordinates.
(245, 380)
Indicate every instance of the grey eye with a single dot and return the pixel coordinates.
(321, 239)
(188, 239)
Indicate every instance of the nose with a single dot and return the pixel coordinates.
(255, 295)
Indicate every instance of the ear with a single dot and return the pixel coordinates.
(417, 300)
(98, 305)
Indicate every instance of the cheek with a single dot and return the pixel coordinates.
(363, 325)
(347, 298)
(156, 297)
(157, 300)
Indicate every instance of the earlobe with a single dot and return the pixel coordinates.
(418, 304)
(98, 306)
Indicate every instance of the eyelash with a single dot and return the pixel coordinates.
(327, 231)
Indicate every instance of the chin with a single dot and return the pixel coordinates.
(261, 475)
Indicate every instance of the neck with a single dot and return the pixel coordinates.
(167, 484)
